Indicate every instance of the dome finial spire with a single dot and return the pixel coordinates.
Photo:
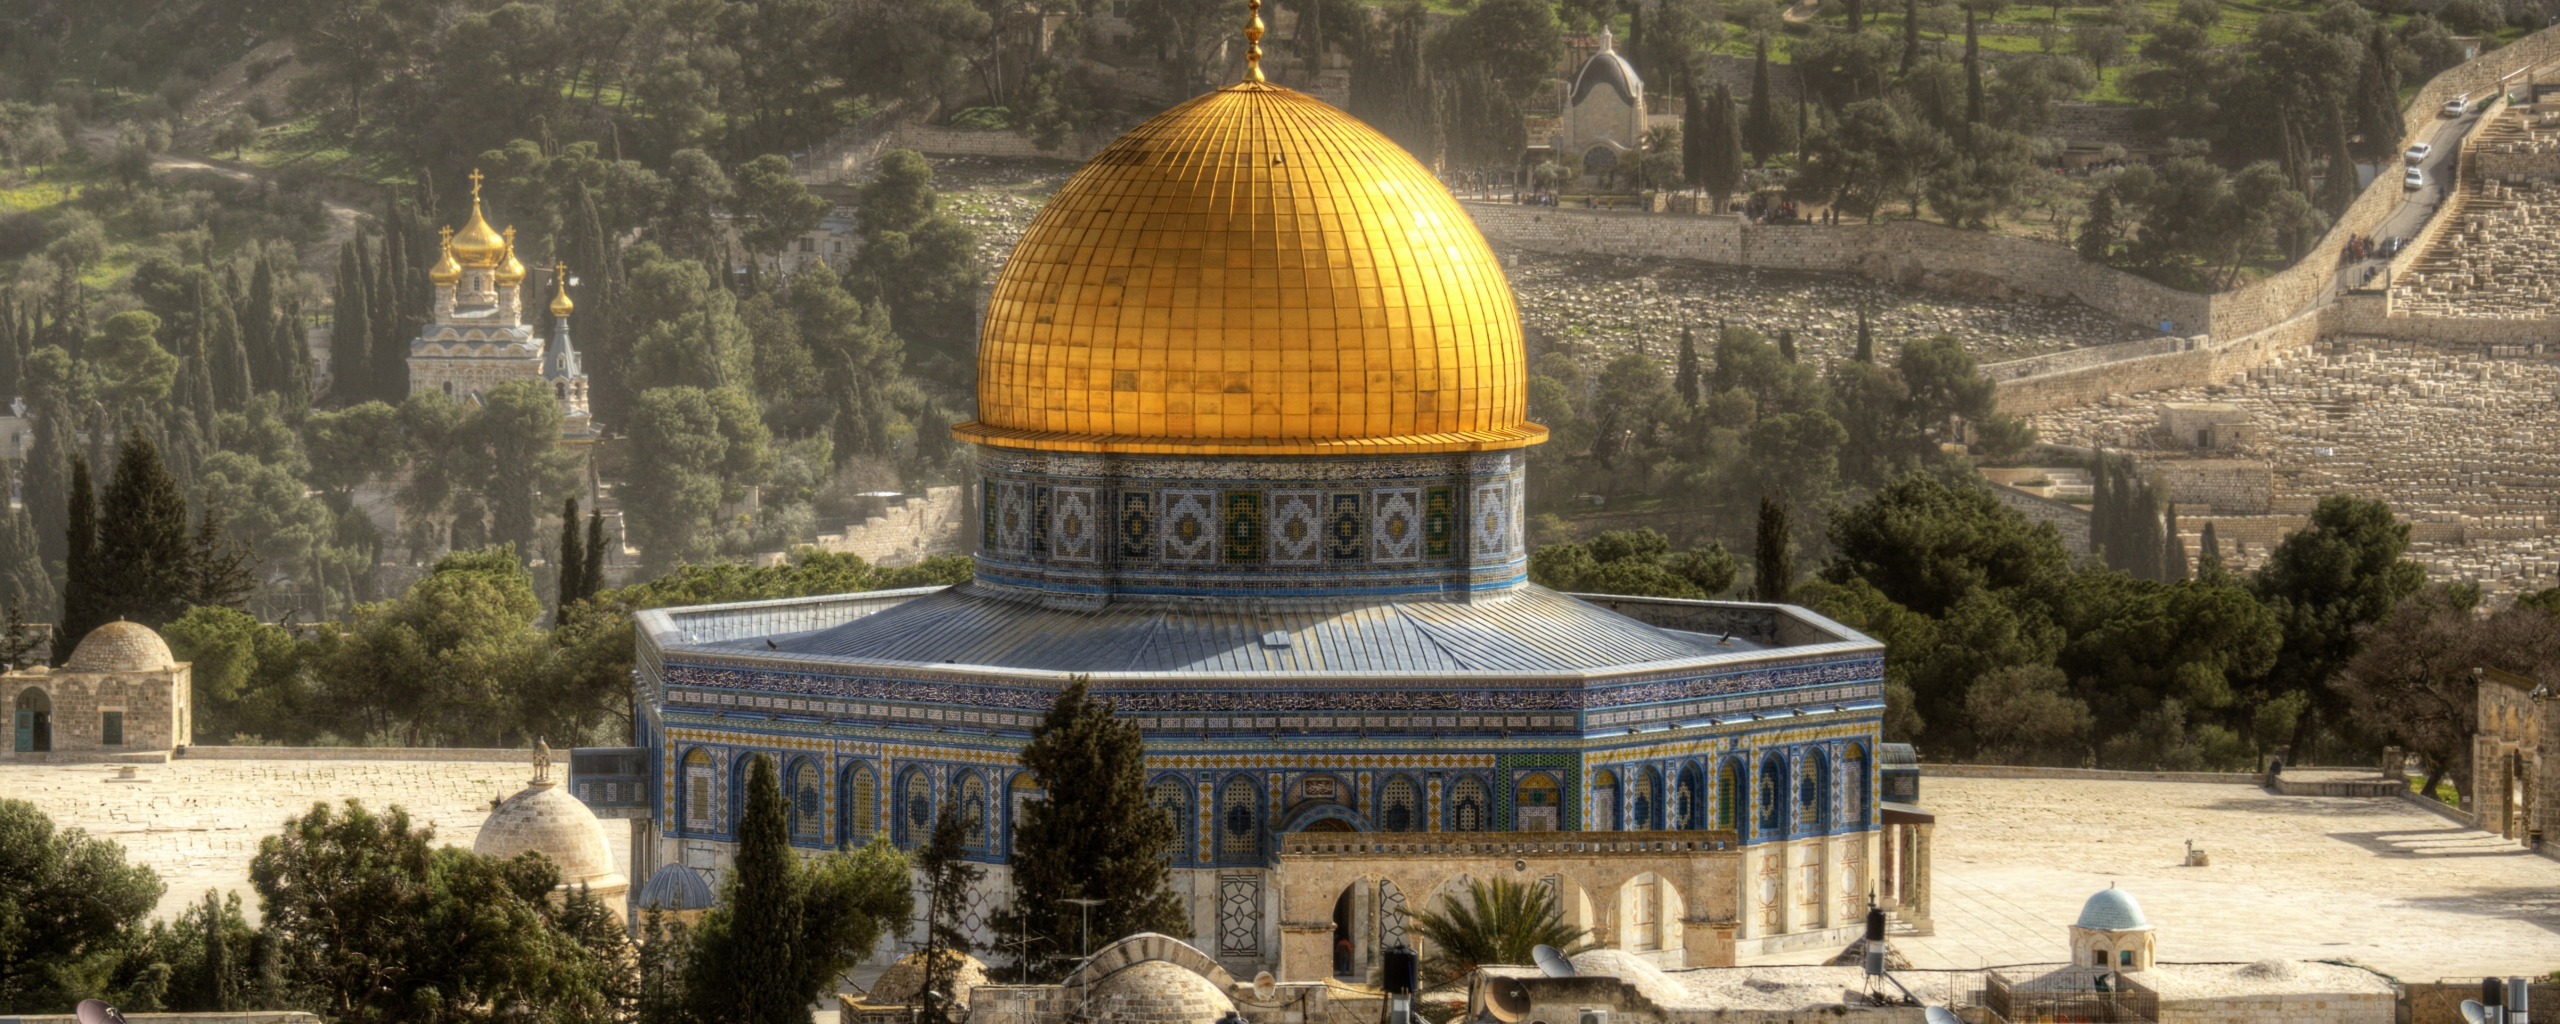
(1253, 41)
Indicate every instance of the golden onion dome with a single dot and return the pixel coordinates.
(560, 304)
(510, 273)
(446, 271)
(1252, 272)
(478, 244)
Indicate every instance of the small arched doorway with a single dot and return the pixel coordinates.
(34, 719)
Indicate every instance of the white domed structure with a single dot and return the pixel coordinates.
(120, 646)
(2112, 932)
(1159, 992)
(543, 819)
(1604, 115)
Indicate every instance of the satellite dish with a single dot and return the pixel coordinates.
(96, 1011)
(1942, 1015)
(2472, 1011)
(1553, 963)
(1506, 999)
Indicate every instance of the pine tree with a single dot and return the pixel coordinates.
(1094, 834)
(572, 563)
(143, 549)
(1760, 129)
(220, 572)
(1684, 382)
(80, 605)
(1773, 556)
(351, 331)
(593, 582)
(2209, 554)
(1866, 339)
(948, 875)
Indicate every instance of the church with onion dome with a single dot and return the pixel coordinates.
(476, 337)
(1251, 434)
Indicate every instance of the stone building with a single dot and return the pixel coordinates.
(1250, 461)
(541, 818)
(477, 337)
(2512, 756)
(119, 696)
(1604, 109)
(2111, 932)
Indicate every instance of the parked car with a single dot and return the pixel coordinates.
(2416, 178)
(2418, 153)
(2393, 245)
(2456, 107)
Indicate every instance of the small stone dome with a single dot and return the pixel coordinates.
(676, 887)
(899, 984)
(1159, 992)
(2112, 910)
(543, 819)
(120, 646)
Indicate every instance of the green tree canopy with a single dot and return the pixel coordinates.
(1092, 834)
(65, 899)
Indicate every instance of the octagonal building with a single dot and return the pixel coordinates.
(1250, 437)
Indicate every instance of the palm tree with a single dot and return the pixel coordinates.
(1500, 923)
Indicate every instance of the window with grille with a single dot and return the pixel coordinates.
(1239, 827)
(1813, 790)
(973, 811)
(806, 803)
(1470, 805)
(1396, 806)
(1773, 797)
(1854, 796)
(1728, 794)
(111, 728)
(1641, 815)
(1603, 815)
(915, 807)
(697, 791)
(1688, 803)
(1172, 796)
(861, 805)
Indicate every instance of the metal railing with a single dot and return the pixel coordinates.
(2127, 1002)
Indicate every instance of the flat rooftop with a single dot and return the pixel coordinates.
(2377, 881)
(198, 821)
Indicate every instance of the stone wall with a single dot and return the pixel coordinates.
(2197, 364)
(935, 141)
(908, 531)
(2003, 771)
(2072, 521)
(203, 753)
(2441, 1002)
(2236, 487)
(2283, 1008)
(250, 1017)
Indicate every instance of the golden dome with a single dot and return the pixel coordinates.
(446, 271)
(1252, 272)
(510, 273)
(560, 304)
(478, 244)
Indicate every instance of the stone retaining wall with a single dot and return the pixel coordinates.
(909, 531)
(201, 753)
(2233, 487)
(2197, 364)
(2284, 1008)
(2072, 521)
(934, 141)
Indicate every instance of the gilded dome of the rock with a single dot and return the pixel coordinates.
(1252, 272)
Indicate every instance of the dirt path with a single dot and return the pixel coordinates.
(316, 257)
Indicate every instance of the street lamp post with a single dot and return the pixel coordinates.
(1084, 995)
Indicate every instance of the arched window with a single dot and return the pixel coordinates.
(698, 800)
(1857, 796)
(973, 811)
(1398, 805)
(1644, 808)
(808, 815)
(1729, 795)
(1813, 790)
(1603, 816)
(915, 807)
(1536, 803)
(1470, 805)
(1239, 821)
(1773, 796)
(1173, 797)
(740, 771)
(1689, 801)
(861, 801)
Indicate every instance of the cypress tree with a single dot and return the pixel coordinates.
(2101, 510)
(391, 328)
(219, 573)
(351, 332)
(572, 563)
(1972, 70)
(1866, 339)
(1910, 36)
(227, 360)
(1685, 381)
(1693, 135)
(258, 329)
(947, 877)
(1723, 146)
(1772, 554)
(737, 960)
(292, 347)
(22, 568)
(2341, 188)
(593, 582)
(1094, 834)
(2173, 550)
(1787, 343)
(47, 485)
(143, 549)
(2209, 554)
(2098, 233)
(79, 584)
(1760, 122)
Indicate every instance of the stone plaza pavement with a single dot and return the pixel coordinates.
(2381, 882)
(198, 822)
